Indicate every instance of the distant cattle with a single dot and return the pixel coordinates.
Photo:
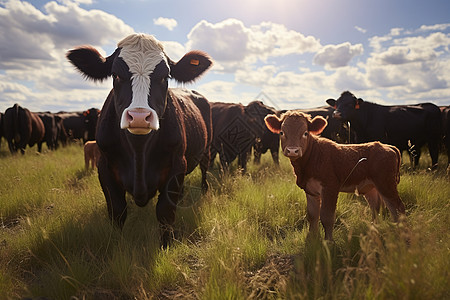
(91, 154)
(80, 124)
(61, 131)
(22, 128)
(266, 140)
(446, 130)
(234, 133)
(324, 168)
(1, 127)
(150, 136)
(51, 130)
(408, 127)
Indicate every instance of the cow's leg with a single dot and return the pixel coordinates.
(167, 205)
(375, 201)
(114, 193)
(313, 212)
(242, 161)
(275, 156)
(204, 164)
(12, 147)
(86, 161)
(433, 147)
(328, 212)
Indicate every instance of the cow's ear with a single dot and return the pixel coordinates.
(273, 123)
(332, 102)
(91, 63)
(190, 66)
(317, 125)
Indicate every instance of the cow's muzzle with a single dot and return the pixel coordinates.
(292, 152)
(337, 115)
(139, 120)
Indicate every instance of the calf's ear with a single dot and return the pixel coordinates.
(317, 125)
(91, 63)
(273, 123)
(190, 66)
(332, 102)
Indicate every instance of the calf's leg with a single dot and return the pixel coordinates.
(313, 212)
(390, 196)
(328, 212)
(374, 199)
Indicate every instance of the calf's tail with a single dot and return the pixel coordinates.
(399, 161)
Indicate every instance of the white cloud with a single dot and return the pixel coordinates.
(166, 22)
(335, 56)
(231, 44)
(362, 30)
(440, 27)
(33, 44)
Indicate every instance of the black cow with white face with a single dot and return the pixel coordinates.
(408, 127)
(150, 136)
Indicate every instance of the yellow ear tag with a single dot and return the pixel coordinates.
(357, 106)
(195, 62)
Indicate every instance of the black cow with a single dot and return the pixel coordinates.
(445, 112)
(22, 127)
(150, 136)
(80, 124)
(267, 140)
(51, 130)
(234, 133)
(1, 128)
(61, 131)
(408, 127)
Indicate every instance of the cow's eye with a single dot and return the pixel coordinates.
(306, 134)
(281, 133)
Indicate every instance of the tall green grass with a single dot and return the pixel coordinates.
(245, 239)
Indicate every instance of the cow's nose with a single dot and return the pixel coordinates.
(292, 151)
(139, 118)
(337, 114)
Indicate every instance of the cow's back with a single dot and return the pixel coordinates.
(196, 118)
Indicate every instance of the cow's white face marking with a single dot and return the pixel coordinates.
(142, 53)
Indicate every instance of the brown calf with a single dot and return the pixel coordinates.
(325, 168)
(91, 154)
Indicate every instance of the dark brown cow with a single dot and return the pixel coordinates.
(324, 168)
(445, 113)
(266, 140)
(51, 130)
(91, 154)
(80, 124)
(22, 128)
(1, 127)
(150, 136)
(234, 133)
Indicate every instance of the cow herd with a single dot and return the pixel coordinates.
(21, 127)
(148, 136)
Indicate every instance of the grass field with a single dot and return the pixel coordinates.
(245, 239)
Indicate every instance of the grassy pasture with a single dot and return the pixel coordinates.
(245, 239)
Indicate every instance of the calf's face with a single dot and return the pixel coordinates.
(140, 70)
(295, 129)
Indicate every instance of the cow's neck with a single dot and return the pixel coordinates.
(301, 165)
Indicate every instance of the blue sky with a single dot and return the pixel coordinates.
(291, 53)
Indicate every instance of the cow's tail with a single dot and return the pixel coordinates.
(16, 131)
